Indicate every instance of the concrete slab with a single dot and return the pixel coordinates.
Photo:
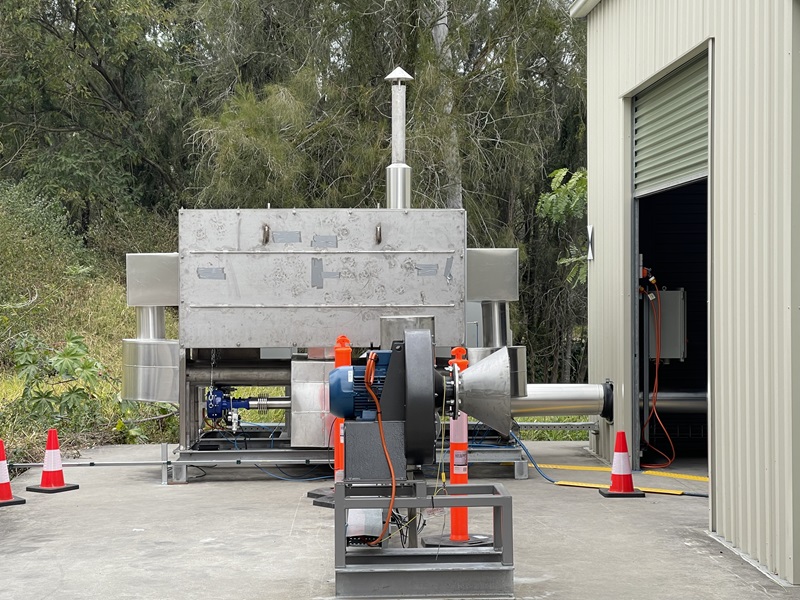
(241, 533)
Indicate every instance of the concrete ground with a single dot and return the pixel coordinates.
(238, 533)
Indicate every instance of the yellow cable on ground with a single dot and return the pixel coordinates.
(608, 469)
(661, 491)
(676, 475)
(575, 468)
(584, 484)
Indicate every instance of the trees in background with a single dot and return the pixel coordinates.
(125, 110)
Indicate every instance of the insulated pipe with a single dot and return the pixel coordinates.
(150, 323)
(695, 403)
(564, 399)
(272, 375)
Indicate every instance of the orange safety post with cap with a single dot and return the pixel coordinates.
(459, 451)
(342, 357)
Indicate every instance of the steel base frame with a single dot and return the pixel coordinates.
(414, 572)
(510, 454)
(283, 457)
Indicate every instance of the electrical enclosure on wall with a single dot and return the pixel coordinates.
(673, 326)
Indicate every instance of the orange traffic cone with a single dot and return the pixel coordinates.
(52, 472)
(6, 499)
(621, 477)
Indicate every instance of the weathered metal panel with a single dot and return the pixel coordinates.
(492, 274)
(312, 422)
(282, 277)
(152, 279)
(755, 281)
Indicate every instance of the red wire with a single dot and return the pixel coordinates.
(653, 407)
(369, 375)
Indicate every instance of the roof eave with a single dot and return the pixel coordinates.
(582, 8)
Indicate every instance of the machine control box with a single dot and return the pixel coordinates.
(673, 326)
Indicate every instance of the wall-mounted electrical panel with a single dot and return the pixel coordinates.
(673, 326)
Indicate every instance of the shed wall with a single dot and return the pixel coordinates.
(754, 366)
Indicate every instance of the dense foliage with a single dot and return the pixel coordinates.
(118, 112)
(51, 283)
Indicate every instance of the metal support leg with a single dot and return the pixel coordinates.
(521, 469)
(339, 526)
(179, 474)
(164, 466)
(413, 528)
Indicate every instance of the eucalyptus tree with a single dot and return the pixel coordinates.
(115, 105)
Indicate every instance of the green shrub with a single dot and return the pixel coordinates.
(52, 283)
(64, 387)
(59, 384)
(40, 261)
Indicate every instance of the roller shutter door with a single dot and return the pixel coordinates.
(670, 130)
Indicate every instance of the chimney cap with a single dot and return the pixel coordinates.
(398, 75)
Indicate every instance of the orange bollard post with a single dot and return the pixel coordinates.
(459, 461)
(342, 357)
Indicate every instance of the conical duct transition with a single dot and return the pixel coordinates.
(484, 391)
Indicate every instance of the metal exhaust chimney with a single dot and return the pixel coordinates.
(398, 174)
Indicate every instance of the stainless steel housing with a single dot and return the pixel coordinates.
(150, 370)
(265, 278)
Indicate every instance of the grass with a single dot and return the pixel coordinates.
(554, 435)
(10, 387)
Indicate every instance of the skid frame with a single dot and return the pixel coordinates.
(413, 572)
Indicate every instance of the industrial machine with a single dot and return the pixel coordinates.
(261, 296)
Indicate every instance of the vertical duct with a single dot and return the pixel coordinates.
(496, 325)
(150, 361)
(398, 174)
(150, 323)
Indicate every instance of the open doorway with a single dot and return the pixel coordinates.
(672, 250)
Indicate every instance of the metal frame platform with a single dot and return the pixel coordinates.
(412, 572)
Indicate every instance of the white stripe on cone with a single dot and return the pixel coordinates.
(621, 465)
(52, 460)
(4, 472)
